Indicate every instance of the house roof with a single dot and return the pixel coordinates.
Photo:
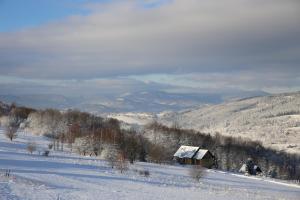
(190, 152)
(200, 154)
(186, 152)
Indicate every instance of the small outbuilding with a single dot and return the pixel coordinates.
(194, 156)
(250, 168)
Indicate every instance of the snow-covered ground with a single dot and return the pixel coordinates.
(273, 120)
(67, 176)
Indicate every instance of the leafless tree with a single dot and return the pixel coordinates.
(122, 163)
(11, 133)
(131, 147)
(112, 156)
(157, 154)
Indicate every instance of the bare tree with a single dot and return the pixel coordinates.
(158, 154)
(62, 138)
(73, 133)
(131, 147)
(112, 156)
(11, 133)
(122, 163)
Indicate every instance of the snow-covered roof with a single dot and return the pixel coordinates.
(200, 154)
(186, 152)
(243, 168)
(190, 152)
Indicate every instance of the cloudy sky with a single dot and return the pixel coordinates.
(125, 45)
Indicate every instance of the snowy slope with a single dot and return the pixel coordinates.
(67, 176)
(274, 120)
(134, 118)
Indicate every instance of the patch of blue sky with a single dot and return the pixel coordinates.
(153, 3)
(20, 14)
(16, 15)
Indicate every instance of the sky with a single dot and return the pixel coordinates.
(127, 45)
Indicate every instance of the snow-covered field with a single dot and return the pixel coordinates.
(67, 176)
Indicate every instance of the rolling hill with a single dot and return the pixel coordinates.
(274, 120)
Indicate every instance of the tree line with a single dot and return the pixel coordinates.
(82, 132)
(230, 152)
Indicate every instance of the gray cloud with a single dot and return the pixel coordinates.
(120, 39)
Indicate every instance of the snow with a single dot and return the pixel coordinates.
(189, 152)
(200, 154)
(134, 118)
(243, 168)
(186, 152)
(273, 120)
(66, 176)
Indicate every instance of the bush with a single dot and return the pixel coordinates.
(11, 133)
(272, 173)
(50, 146)
(111, 156)
(31, 147)
(197, 172)
(122, 163)
(46, 153)
(145, 173)
(7, 172)
(158, 154)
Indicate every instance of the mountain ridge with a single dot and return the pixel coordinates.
(274, 120)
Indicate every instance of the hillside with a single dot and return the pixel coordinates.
(273, 120)
(65, 175)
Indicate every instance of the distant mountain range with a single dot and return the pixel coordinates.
(39, 100)
(140, 101)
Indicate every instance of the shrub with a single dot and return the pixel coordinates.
(272, 173)
(145, 173)
(111, 156)
(158, 154)
(11, 133)
(197, 172)
(122, 163)
(46, 153)
(31, 147)
(50, 146)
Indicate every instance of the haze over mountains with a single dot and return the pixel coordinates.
(136, 101)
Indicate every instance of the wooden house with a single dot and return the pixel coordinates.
(194, 156)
